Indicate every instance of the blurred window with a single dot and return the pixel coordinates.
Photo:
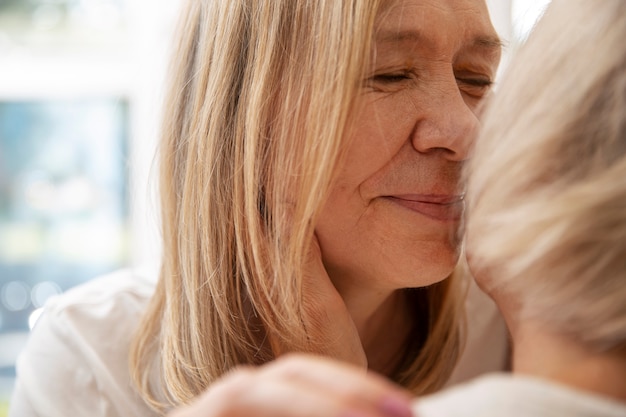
(63, 24)
(63, 199)
(63, 205)
(66, 70)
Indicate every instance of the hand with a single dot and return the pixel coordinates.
(300, 386)
(328, 322)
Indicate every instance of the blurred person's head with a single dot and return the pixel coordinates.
(547, 191)
(346, 121)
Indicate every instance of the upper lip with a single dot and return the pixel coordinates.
(442, 199)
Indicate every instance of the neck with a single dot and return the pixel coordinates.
(541, 353)
(383, 322)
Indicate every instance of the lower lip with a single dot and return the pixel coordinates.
(450, 212)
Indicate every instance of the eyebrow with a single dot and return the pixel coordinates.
(482, 41)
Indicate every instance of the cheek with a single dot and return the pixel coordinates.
(369, 244)
(379, 132)
(360, 234)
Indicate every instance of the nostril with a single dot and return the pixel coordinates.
(453, 134)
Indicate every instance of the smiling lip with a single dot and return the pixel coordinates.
(444, 208)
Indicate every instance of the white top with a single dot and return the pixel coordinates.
(499, 395)
(76, 360)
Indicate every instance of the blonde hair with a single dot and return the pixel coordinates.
(260, 99)
(547, 182)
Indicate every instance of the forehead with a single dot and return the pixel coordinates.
(438, 24)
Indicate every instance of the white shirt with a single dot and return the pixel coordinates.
(76, 360)
(505, 395)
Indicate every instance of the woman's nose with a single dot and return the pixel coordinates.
(446, 123)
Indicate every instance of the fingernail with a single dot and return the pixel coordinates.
(396, 407)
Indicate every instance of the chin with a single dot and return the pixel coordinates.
(431, 267)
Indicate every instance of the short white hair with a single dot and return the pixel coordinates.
(547, 183)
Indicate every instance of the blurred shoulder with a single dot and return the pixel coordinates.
(127, 289)
(514, 395)
(80, 344)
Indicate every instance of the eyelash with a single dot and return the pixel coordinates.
(392, 77)
(476, 82)
(478, 85)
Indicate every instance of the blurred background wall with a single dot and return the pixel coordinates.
(80, 93)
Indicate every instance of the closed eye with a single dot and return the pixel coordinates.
(475, 86)
(392, 77)
(391, 81)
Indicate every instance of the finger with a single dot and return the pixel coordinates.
(263, 395)
(326, 317)
(346, 381)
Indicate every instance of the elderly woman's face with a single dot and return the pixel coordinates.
(392, 216)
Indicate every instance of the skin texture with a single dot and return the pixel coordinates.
(391, 219)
